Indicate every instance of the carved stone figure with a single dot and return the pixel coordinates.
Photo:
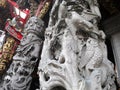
(74, 55)
(18, 76)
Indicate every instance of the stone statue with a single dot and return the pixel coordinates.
(74, 55)
(18, 76)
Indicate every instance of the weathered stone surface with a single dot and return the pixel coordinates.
(27, 54)
(74, 56)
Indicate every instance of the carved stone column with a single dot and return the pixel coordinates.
(74, 56)
(27, 54)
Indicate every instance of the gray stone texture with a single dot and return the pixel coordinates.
(18, 76)
(74, 55)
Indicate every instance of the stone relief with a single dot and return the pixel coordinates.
(18, 76)
(74, 55)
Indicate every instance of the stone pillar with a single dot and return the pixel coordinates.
(18, 76)
(112, 29)
(115, 40)
(74, 55)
